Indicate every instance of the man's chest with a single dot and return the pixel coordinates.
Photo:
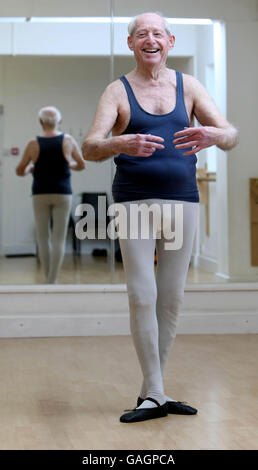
(153, 100)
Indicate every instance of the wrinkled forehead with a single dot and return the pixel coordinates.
(150, 21)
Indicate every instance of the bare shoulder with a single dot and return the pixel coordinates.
(114, 91)
(68, 138)
(33, 145)
(108, 110)
(114, 86)
(191, 84)
(204, 107)
(196, 90)
(31, 151)
(68, 143)
(33, 142)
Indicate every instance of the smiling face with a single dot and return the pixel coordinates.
(150, 41)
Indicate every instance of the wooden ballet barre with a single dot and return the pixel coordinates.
(203, 178)
(253, 185)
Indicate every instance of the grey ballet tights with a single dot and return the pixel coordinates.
(51, 244)
(155, 300)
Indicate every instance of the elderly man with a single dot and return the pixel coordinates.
(150, 112)
(49, 158)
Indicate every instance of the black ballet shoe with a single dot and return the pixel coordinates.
(143, 414)
(175, 407)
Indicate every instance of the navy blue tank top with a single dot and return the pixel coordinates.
(51, 174)
(167, 173)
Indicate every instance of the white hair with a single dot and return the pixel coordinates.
(50, 116)
(132, 24)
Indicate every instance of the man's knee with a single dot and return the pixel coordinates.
(171, 303)
(142, 299)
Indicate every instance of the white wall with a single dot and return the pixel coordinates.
(231, 10)
(62, 39)
(221, 9)
(242, 103)
(55, 8)
(208, 249)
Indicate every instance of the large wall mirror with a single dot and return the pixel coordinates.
(67, 64)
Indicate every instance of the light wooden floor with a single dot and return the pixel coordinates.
(68, 393)
(80, 270)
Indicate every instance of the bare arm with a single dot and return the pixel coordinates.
(77, 164)
(26, 164)
(98, 147)
(214, 130)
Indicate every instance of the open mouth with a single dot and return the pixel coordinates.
(151, 51)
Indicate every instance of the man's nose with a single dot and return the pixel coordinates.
(150, 37)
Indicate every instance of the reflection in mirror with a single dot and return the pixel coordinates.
(50, 159)
(70, 72)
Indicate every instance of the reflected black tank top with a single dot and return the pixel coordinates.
(51, 174)
(167, 173)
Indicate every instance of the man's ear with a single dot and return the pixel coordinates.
(130, 42)
(172, 40)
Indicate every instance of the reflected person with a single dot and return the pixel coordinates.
(150, 112)
(49, 158)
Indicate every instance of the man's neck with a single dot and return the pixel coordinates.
(50, 131)
(153, 74)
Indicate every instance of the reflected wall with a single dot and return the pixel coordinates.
(70, 75)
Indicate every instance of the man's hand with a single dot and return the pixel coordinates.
(202, 137)
(197, 137)
(139, 145)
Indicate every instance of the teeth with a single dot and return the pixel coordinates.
(151, 50)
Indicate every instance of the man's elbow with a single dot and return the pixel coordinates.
(230, 139)
(235, 139)
(89, 151)
(19, 172)
(82, 165)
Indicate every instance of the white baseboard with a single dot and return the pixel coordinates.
(19, 249)
(97, 310)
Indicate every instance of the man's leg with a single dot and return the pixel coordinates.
(60, 212)
(172, 269)
(42, 212)
(138, 261)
